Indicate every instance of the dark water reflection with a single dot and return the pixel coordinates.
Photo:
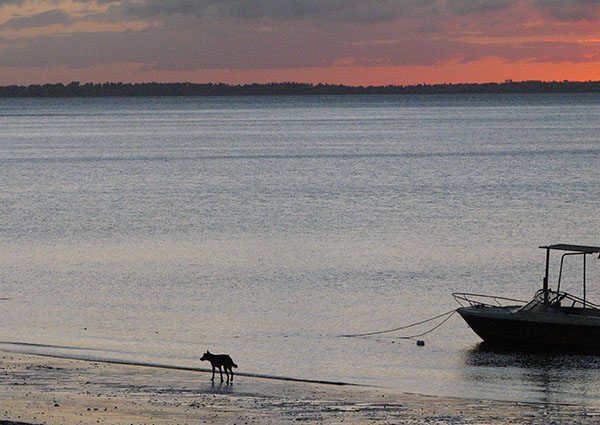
(554, 376)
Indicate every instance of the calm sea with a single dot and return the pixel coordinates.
(153, 229)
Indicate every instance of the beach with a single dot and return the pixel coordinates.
(47, 390)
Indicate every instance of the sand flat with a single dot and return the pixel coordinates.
(46, 390)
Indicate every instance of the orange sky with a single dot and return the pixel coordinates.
(334, 41)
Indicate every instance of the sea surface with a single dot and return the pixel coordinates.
(153, 229)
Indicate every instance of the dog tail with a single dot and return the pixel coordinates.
(234, 365)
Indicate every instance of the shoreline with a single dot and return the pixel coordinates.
(260, 376)
(190, 369)
(40, 389)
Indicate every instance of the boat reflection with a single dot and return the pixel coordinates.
(534, 375)
(485, 354)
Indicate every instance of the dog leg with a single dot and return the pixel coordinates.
(226, 373)
(213, 377)
(221, 373)
(231, 371)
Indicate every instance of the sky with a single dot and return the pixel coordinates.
(357, 42)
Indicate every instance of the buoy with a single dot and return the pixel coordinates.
(421, 343)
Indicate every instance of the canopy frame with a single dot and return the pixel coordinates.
(582, 250)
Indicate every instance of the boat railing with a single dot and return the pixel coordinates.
(564, 299)
(481, 300)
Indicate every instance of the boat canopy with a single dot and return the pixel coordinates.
(574, 248)
(582, 250)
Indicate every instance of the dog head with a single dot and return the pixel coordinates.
(205, 356)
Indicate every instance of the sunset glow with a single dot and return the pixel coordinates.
(347, 42)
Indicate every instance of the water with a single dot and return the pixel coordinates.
(152, 229)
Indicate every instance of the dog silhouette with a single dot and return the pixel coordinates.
(221, 361)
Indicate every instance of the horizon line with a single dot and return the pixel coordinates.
(445, 83)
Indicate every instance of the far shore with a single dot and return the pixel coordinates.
(186, 89)
(48, 390)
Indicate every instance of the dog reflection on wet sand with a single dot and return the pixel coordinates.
(221, 361)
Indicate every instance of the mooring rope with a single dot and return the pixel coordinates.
(431, 319)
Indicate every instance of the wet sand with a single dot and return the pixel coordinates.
(45, 390)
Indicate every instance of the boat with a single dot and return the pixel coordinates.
(553, 318)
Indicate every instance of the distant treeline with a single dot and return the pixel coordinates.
(76, 89)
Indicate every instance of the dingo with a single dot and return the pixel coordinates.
(218, 361)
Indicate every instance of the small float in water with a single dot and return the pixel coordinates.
(553, 318)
